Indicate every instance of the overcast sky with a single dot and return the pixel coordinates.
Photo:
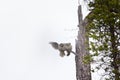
(26, 28)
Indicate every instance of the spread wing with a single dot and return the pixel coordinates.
(54, 45)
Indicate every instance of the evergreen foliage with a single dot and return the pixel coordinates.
(104, 34)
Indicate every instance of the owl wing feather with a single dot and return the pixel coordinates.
(54, 45)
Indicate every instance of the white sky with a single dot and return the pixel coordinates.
(26, 27)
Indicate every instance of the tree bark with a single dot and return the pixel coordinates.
(82, 69)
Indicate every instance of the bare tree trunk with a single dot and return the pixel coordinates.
(82, 69)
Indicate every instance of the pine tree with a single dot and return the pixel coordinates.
(104, 30)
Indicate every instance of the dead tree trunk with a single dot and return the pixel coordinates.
(82, 69)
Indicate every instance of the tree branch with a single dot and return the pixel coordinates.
(74, 53)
